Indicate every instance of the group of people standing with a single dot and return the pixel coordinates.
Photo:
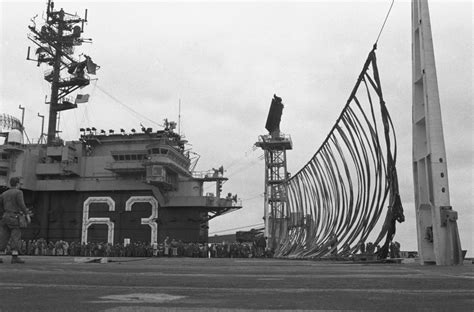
(41, 247)
(371, 248)
(12, 208)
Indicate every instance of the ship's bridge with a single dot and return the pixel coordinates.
(164, 163)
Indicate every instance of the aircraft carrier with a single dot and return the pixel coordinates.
(112, 186)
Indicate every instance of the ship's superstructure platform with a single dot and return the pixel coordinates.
(112, 187)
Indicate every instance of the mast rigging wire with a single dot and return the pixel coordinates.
(128, 107)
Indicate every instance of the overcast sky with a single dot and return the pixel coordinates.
(225, 60)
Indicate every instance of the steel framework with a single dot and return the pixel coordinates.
(275, 146)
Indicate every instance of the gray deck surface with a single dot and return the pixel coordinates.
(187, 284)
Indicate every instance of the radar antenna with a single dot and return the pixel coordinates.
(275, 145)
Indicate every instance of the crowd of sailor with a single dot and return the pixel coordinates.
(174, 248)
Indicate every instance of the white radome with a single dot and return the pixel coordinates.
(15, 136)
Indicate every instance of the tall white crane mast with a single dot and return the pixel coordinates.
(437, 231)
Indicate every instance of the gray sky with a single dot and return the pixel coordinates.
(225, 60)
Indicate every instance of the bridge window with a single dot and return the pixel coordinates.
(128, 157)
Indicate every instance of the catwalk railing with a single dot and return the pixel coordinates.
(337, 198)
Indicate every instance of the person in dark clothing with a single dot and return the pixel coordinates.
(12, 203)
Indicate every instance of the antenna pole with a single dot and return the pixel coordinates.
(52, 123)
(56, 41)
(179, 117)
(22, 115)
(58, 120)
(42, 128)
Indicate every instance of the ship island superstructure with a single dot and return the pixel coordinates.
(105, 186)
(112, 187)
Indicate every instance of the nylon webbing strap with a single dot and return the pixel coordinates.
(337, 198)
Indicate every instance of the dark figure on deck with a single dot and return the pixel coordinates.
(13, 205)
(261, 244)
(394, 250)
(333, 243)
(361, 247)
(394, 214)
(370, 248)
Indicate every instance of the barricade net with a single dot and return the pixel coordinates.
(337, 198)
